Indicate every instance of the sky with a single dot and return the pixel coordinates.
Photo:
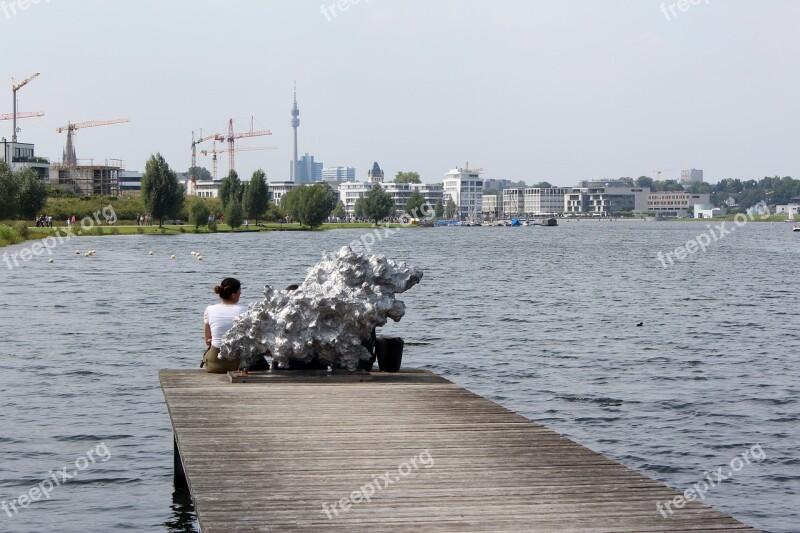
(533, 90)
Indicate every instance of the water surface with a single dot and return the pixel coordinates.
(541, 320)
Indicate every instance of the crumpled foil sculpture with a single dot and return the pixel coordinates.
(339, 303)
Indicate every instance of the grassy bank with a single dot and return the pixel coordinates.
(15, 232)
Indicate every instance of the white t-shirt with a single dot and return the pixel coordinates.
(220, 318)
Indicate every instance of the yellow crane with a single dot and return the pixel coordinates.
(14, 88)
(195, 142)
(214, 153)
(21, 114)
(659, 171)
(69, 153)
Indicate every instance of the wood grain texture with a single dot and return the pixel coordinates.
(264, 453)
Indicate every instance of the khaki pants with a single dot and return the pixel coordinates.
(213, 364)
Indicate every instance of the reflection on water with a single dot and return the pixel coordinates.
(183, 519)
(541, 320)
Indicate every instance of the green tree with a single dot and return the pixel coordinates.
(310, 204)
(644, 181)
(541, 185)
(274, 213)
(407, 177)
(378, 204)
(162, 194)
(450, 209)
(198, 212)
(699, 187)
(230, 188)
(414, 204)
(256, 197)
(9, 189)
(628, 182)
(201, 173)
(234, 214)
(358, 208)
(339, 211)
(438, 209)
(32, 192)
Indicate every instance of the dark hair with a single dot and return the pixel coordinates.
(227, 288)
(292, 288)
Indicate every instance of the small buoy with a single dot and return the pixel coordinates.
(152, 253)
(51, 261)
(195, 253)
(77, 252)
(87, 254)
(199, 257)
(172, 257)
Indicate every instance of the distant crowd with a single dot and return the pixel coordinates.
(44, 221)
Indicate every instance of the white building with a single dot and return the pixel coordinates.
(605, 198)
(675, 203)
(513, 202)
(544, 201)
(338, 174)
(707, 211)
(693, 174)
(400, 193)
(20, 155)
(350, 192)
(791, 210)
(432, 192)
(465, 188)
(203, 188)
(491, 207)
(277, 189)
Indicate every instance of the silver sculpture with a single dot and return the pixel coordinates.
(342, 299)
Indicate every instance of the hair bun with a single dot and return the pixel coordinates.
(217, 289)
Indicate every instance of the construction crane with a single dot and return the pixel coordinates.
(215, 136)
(214, 153)
(658, 172)
(233, 136)
(14, 88)
(69, 153)
(9, 116)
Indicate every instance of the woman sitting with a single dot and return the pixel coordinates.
(217, 320)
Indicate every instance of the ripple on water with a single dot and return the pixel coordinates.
(543, 322)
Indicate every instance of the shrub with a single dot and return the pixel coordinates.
(212, 226)
(22, 229)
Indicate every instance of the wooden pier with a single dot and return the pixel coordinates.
(405, 452)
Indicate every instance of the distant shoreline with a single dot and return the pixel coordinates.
(34, 233)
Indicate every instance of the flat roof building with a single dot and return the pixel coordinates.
(465, 188)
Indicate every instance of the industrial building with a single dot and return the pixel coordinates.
(101, 178)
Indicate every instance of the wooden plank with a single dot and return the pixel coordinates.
(264, 452)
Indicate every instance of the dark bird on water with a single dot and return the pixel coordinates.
(640, 324)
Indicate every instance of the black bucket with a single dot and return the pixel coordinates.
(390, 353)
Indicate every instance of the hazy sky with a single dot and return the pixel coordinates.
(556, 90)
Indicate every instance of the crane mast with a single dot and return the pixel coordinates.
(14, 88)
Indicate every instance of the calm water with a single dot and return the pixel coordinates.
(540, 320)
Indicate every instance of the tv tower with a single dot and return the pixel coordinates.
(295, 124)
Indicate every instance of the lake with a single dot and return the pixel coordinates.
(540, 320)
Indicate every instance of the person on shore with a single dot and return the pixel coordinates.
(217, 320)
